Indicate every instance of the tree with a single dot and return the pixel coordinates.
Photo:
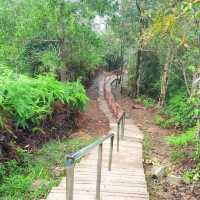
(52, 36)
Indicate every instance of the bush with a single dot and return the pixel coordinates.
(179, 144)
(186, 138)
(181, 111)
(146, 101)
(193, 175)
(28, 101)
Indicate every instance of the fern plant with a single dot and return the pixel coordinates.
(28, 101)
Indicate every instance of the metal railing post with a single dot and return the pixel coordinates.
(72, 158)
(118, 129)
(99, 166)
(70, 179)
(123, 125)
(124, 120)
(111, 151)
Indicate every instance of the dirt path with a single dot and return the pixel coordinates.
(93, 121)
(159, 153)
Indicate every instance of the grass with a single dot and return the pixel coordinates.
(34, 175)
(158, 120)
(193, 175)
(178, 142)
(147, 144)
(163, 122)
(183, 147)
(146, 101)
(186, 138)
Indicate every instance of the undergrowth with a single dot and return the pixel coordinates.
(33, 176)
(146, 101)
(186, 138)
(180, 112)
(27, 101)
(184, 146)
(147, 144)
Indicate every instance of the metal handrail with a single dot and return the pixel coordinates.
(72, 158)
(120, 124)
(120, 121)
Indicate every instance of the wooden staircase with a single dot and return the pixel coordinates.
(125, 181)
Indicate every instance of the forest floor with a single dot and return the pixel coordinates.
(157, 152)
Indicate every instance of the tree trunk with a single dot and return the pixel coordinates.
(196, 75)
(183, 69)
(63, 71)
(136, 82)
(165, 78)
(138, 70)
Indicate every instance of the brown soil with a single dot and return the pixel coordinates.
(160, 153)
(93, 122)
(30, 139)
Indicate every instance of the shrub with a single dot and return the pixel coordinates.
(193, 175)
(28, 101)
(146, 101)
(181, 111)
(158, 119)
(188, 137)
(161, 121)
(178, 156)
(185, 146)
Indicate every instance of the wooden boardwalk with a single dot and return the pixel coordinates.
(126, 181)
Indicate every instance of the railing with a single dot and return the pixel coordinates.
(71, 161)
(116, 109)
(120, 124)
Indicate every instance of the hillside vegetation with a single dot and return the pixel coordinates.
(50, 51)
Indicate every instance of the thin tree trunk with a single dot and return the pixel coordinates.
(185, 77)
(63, 71)
(186, 81)
(165, 78)
(139, 68)
(196, 75)
(136, 82)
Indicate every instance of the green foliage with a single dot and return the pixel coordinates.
(147, 144)
(178, 156)
(193, 175)
(31, 33)
(162, 121)
(159, 120)
(150, 76)
(27, 101)
(180, 111)
(146, 101)
(186, 138)
(180, 143)
(18, 179)
(50, 61)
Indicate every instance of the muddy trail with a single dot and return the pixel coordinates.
(158, 154)
(93, 121)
